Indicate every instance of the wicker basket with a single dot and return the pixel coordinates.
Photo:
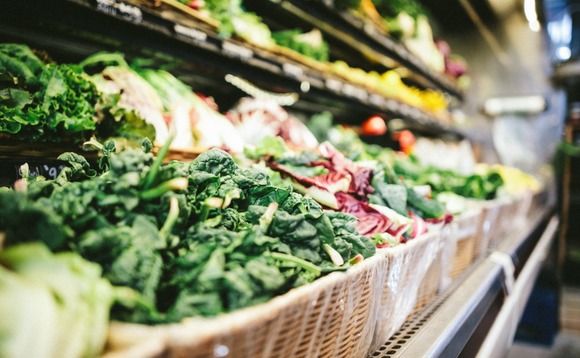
(506, 216)
(408, 265)
(429, 286)
(488, 226)
(331, 317)
(432, 283)
(466, 232)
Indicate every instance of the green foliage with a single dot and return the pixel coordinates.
(192, 239)
(47, 102)
(58, 301)
(309, 44)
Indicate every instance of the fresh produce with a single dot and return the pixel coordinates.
(455, 65)
(257, 118)
(43, 102)
(391, 85)
(118, 79)
(199, 238)
(47, 102)
(53, 305)
(516, 182)
(374, 125)
(194, 122)
(386, 208)
(166, 102)
(234, 20)
(484, 184)
(310, 44)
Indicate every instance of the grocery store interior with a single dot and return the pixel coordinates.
(290, 178)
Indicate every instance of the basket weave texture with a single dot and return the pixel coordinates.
(408, 265)
(331, 317)
(344, 314)
(466, 233)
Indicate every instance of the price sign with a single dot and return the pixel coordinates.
(49, 170)
(355, 92)
(118, 8)
(237, 50)
(333, 84)
(192, 34)
(377, 100)
(293, 70)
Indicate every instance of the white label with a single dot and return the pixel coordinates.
(190, 33)
(333, 84)
(112, 7)
(393, 105)
(292, 70)
(377, 100)
(355, 92)
(370, 29)
(237, 50)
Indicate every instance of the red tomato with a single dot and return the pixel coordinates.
(406, 140)
(374, 125)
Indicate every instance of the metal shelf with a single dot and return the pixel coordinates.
(478, 314)
(74, 29)
(363, 38)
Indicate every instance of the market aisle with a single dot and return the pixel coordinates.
(567, 343)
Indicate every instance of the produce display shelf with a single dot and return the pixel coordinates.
(477, 315)
(361, 36)
(77, 28)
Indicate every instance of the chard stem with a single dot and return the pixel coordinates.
(308, 266)
(266, 219)
(171, 218)
(94, 143)
(208, 204)
(150, 178)
(170, 185)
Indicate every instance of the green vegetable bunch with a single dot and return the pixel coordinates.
(197, 238)
(42, 102)
(53, 305)
(392, 8)
(48, 102)
(309, 44)
(483, 186)
(233, 19)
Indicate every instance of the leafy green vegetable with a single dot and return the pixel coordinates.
(309, 44)
(46, 101)
(320, 125)
(393, 196)
(50, 102)
(268, 146)
(17, 214)
(197, 238)
(57, 301)
(234, 19)
(429, 208)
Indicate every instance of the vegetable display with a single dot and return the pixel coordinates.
(53, 305)
(482, 185)
(41, 101)
(386, 208)
(199, 238)
(233, 19)
(48, 102)
(310, 44)
(106, 97)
